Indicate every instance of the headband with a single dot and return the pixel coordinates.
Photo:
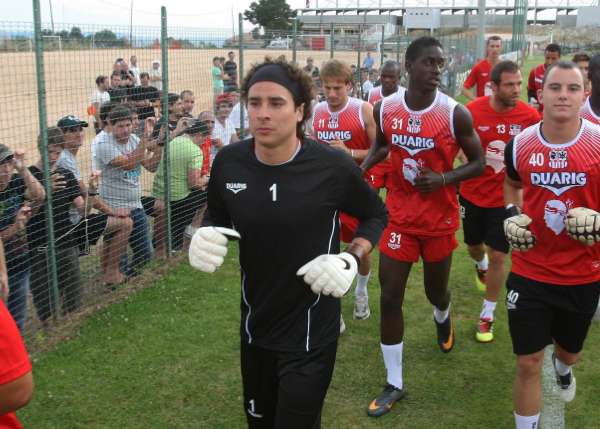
(276, 73)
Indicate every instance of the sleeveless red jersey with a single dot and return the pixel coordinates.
(420, 139)
(375, 94)
(588, 113)
(556, 178)
(346, 125)
(495, 130)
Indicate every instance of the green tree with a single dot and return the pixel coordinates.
(76, 33)
(106, 39)
(270, 14)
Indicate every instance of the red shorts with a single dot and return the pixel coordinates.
(405, 247)
(378, 175)
(348, 225)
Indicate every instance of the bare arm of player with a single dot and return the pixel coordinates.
(468, 140)
(379, 148)
(468, 93)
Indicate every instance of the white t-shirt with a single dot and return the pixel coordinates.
(222, 132)
(234, 116)
(100, 97)
(136, 75)
(156, 83)
(367, 86)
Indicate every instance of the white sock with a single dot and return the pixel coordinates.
(487, 312)
(484, 263)
(441, 315)
(392, 358)
(561, 367)
(361, 284)
(527, 422)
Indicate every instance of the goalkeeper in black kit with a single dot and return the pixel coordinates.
(281, 194)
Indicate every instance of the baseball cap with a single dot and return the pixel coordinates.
(5, 153)
(70, 121)
(223, 98)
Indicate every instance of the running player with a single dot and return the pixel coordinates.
(496, 119)
(284, 192)
(591, 108)
(346, 123)
(480, 74)
(552, 173)
(424, 129)
(536, 75)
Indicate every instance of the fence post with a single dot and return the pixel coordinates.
(357, 77)
(294, 35)
(331, 39)
(43, 120)
(382, 50)
(241, 68)
(398, 48)
(164, 51)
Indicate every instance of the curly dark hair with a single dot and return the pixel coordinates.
(296, 74)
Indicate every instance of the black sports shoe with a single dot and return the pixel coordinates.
(385, 401)
(445, 334)
(566, 383)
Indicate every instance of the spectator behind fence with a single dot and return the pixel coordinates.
(208, 118)
(175, 114)
(218, 76)
(20, 192)
(65, 193)
(230, 69)
(224, 130)
(118, 93)
(114, 225)
(143, 98)
(103, 134)
(186, 185)
(127, 76)
(100, 97)
(156, 75)
(235, 115)
(16, 381)
(368, 62)
(188, 100)
(135, 70)
(120, 159)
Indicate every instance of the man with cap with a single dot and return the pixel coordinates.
(281, 190)
(19, 191)
(115, 224)
(187, 185)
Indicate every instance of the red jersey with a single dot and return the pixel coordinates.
(556, 178)
(588, 113)
(480, 76)
(375, 94)
(495, 130)
(536, 76)
(346, 125)
(420, 139)
(14, 361)
(205, 148)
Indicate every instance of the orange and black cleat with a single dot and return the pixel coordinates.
(445, 334)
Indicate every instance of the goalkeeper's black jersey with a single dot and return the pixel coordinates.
(287, 215)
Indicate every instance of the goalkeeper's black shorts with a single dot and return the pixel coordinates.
(285, 390)
(541, 313)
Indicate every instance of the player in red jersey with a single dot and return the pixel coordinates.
(552, 176)
(346, 123)
(423, 129)
(583, 62)
(496, 119)
(591, 107)
(480, 73)
(536, 75)
(390, 84)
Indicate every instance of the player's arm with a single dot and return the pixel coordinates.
(379, 148)
(531, 92)
(469, 83)
(370, 129)
(513, 192)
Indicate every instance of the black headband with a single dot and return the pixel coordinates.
(276, 73)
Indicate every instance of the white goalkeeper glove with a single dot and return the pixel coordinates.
(209, 247)
(583, 225)
(330, 274)
(517, 232)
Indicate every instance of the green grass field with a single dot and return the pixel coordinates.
(168, 357)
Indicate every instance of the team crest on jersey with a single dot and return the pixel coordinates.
(236, 187)
(333, 122)
(413, 144)
(558, 159)
(558, 182)
(494, 155)
(514, 129)
(414, 125)
(555, 213)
